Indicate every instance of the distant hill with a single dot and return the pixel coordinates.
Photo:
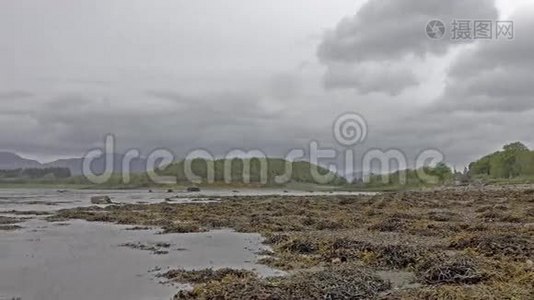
(12, 161)
(275, 167)
(301, 170)
(33, 173)
(98, 166)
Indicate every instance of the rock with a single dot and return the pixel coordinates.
(193, 189)
(339, 260)
(170, 191)
(101, 200)
(150, 191)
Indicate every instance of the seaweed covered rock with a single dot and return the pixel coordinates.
(346, 282)
(450, 270)
(101, 200)
(510, 245)
(204, 275)
(396, 256)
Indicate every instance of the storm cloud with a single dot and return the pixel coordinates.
(495, 76)
(388, 31)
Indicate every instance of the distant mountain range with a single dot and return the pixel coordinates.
(10, 161)
(301, 170)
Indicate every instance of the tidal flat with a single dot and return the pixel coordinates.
(453, 243)
(76, 259)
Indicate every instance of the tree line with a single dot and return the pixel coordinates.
(35, 173)
(514, 160)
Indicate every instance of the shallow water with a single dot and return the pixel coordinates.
(51, 199)
(82, 260)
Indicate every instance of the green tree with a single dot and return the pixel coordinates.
(515, 147)
(442, 171)
(514, 160)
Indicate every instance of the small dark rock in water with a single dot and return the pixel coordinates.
(150, 191)
(101, 200)
(170, 191)
(156, 248)
(61, 191)
(193, 189)
(9, 227)
(139, 228)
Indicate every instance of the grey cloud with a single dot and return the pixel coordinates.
(389, 31)
(183, 78)
(239, 107)
(392, 80)
(71, 102)
(461, 136)
(219, 121)
(166, 95)
(494, 76)
(14, 95)
(284, 85)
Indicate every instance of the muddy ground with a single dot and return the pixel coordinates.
(446, 244)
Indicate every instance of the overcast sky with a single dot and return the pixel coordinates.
(260, 74)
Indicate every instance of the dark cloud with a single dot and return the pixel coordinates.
(75, 123)
(389, 31)
(496, 75)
